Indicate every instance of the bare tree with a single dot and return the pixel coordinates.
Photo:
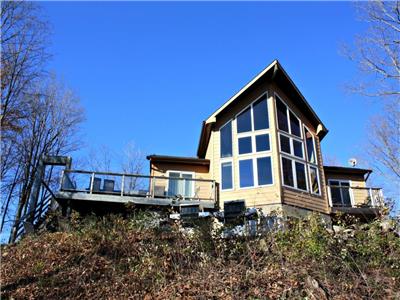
(132, 159)
(377, 51)
(50, 128)
(377, 55)
(24, 39)
(100, 159)
(384, 142)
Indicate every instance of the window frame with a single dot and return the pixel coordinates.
(341, 194)
(220, 139)
(232, 175)
(291, 146)
(314, 145)
(180, 176)
(294, 175)
(309, 166)
(293, 158)
(288, 109)
(256, 184)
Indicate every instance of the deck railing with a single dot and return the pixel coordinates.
(135, 185)
(347, 196)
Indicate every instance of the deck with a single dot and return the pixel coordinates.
(119, 188)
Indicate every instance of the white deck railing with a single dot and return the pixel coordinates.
(344, 196)
(135, 185)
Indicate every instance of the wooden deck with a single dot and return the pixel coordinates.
(151, 201)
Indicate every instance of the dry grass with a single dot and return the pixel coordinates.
(116, 258)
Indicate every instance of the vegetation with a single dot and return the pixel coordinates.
(112, 257)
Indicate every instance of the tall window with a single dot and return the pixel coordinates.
(297, 149)
(311, 155)
(226, 140)
(253, 140)
(312, 162)
(226, 176)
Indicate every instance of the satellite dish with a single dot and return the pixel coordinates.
(352, 162)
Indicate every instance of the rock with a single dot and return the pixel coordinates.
(314, 290)
(337, 229)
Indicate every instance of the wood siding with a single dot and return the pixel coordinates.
(202, 189)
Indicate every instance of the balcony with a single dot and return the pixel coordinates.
(355, 200)
(138, 189)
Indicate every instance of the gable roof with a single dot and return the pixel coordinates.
(273, 72)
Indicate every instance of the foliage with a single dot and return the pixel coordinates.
(115, 257)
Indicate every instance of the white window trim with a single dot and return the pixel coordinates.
(233, 175)
(180, 176)
(254, 158)
(293, 161)
(314, 144)
(252, 136)
(252, 116)
(341, 196)
(291, 139)
(291, 155)
(220, 144)
(318, 180)
(276, 96)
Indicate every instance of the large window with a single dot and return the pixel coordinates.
(294, 173)
(297, 148)
(254, 117)
(226, 140)
(340, 192)
(254, 165)
(253, 140)
(290, 145)
(255, 172)
(246, 173)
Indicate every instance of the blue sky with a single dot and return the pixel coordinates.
(152, 72)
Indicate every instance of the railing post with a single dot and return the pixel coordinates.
(122, 185)
(184, 189)
(152, 185)
(62, 180)
(91, 184)
(371, 197)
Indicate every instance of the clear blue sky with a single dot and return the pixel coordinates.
(152, 72)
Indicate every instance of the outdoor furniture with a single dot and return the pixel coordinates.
(109, 185)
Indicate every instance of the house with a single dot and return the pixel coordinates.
(263, 147)
(260, 149)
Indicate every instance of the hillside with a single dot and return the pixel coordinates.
(121, 258)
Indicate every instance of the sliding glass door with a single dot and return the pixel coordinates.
(180, 184)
